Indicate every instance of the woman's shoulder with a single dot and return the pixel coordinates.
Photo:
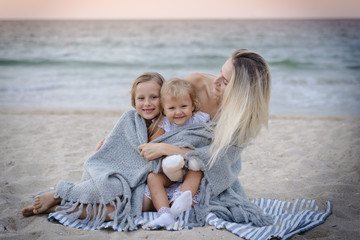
(199, 80)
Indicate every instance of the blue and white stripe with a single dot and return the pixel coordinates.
(290, 218)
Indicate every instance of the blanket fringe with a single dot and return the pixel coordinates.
(255, 215)
(96, 213)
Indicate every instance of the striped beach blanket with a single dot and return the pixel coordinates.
(290, 218)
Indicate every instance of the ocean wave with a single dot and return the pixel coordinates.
(166, 65)
(44, 87)
(207, 57)
(354, 67)
(70, 63)
(290, 63)
(317, 81)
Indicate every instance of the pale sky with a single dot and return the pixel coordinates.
(177, 9)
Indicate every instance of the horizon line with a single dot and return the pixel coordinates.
(177, 19)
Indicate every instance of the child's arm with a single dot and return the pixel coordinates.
(151, 151)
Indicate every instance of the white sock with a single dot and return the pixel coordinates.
(182, 203)
(165, 218)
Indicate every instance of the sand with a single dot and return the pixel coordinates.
(297, 157)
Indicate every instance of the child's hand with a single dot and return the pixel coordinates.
(100, 144)
(151, 151)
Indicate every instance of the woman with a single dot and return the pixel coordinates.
(238, 100)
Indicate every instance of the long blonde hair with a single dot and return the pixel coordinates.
(245, 104)
(146, 77)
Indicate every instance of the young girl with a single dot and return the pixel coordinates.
(145, 98)
(180, 107)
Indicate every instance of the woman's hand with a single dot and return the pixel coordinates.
(151, 151)
(100, 144)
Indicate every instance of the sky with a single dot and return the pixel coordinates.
(177, 9)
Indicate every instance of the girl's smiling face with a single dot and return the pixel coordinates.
(178, 110)
(147, 99)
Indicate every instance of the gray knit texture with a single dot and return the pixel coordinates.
(116, 175)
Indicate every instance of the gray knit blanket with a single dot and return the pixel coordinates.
(116, 175)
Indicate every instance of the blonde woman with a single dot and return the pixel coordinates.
(238, 100)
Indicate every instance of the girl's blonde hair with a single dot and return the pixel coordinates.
(176, 87)
(245, 104)
(146, 77)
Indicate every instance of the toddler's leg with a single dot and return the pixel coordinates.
(188, 190)
(192, 181)
(165, 218)
(148, 205)
(157, 184)
(181, 203)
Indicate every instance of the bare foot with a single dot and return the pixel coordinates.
(28, 211)
(45, 202)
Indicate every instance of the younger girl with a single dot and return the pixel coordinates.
(180, 107)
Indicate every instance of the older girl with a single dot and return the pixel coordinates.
(145, 98)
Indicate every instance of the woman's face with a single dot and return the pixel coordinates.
(223, 79)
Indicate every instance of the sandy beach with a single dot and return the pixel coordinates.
(296, 157)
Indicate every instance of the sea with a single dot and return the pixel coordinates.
(91, 64)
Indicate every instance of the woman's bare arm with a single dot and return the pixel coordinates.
(100, 144)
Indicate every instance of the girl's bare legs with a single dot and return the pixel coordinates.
(42, 204)
(192, 180)
(46, 203)
(148, 206)
(188, 190)
(157, 184)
